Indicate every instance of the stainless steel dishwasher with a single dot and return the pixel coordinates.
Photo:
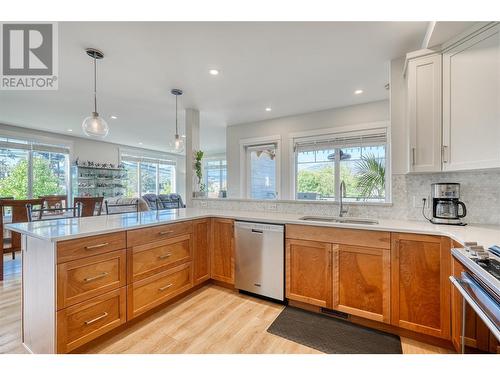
(259, 258)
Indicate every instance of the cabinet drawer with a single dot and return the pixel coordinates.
(81, 323)
(88, 246)
(341, 236)
(85, 278)
(148, 293)
(146, 260)
(145, 235)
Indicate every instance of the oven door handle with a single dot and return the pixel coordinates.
(461, 285)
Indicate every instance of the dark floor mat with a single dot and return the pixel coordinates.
(331, 335)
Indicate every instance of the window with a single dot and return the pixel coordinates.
(215, 176)
(262, 171)
(359, 159)
(148, 175)
(30, 169)
(132, 183)
(149, 181)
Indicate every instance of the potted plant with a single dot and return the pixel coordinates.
(198, 157)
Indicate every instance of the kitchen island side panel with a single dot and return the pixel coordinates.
(39, 295)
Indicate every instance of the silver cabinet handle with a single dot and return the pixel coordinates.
(87, 322)
(165, 287)
(413, 156)
(96, 246)
(166, 232)
(445, 154)
(165, 256)
(87, 279)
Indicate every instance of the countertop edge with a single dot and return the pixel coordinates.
(401, 227)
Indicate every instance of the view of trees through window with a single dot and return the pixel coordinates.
(148, 177)
(49, 173)
(362, 168)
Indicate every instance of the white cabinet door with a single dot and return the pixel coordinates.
(424, 113)
(471, 103)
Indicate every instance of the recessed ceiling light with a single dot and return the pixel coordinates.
(114, 117)
(357, 92)
(140, 143)
(268, 109)
(214, 72)
(70, 130)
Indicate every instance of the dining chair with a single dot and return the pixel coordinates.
(121, 208)
(53, 202)
(19, 214)
(89, 206)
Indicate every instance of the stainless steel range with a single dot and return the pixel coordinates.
(480, 285)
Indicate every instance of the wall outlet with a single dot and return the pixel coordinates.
(271, 207)
(418, 201)
(203, 204)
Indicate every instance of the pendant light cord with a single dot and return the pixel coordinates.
(95, 85)
(176, 128)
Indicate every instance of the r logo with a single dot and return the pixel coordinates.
(27, 49)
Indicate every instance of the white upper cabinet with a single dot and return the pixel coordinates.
(424, 113)
(471, 102)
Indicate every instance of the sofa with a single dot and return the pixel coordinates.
(163, 201)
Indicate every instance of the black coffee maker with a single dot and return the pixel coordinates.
(446, 204)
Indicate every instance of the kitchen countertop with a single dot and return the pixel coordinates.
(65, 229)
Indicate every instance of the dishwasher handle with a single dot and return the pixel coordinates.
(257, 231)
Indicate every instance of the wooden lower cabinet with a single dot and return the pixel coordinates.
(309, 272)
(222, 256)
(83, 322)
(145, 294)
(361, 281)
(148, 259)
(201, 250)
(420, 296)
(85, 278)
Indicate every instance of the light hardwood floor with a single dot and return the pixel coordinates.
(211, 320)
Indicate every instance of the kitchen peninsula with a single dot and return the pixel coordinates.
(88, 276)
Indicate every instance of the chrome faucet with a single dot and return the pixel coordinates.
(342, 194)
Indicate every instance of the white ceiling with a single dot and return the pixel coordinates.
(294, 67)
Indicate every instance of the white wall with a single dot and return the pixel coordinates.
(337, 117)
(88, 149)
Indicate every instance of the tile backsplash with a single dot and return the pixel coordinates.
(480, 191)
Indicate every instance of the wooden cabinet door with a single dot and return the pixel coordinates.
(309, 272)
(222, 257)
(362, 281)
(420, 267)
(471, 93)
(201, 249)
(424, 113)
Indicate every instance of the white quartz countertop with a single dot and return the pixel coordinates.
(65, 229)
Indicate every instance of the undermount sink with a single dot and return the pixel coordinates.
(347, 220)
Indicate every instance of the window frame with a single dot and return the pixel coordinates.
(132, 157)
(221, 167)
(323, 134)
(13, 140)
(245, 163)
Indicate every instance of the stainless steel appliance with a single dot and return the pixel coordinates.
(480, 284)
(259, 259)
(446, 204)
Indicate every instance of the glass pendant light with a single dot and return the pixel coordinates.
(179, 143)
(94, 125)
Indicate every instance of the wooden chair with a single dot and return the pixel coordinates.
(19, 215)
(112, 209)
(89, 206)
(53, 202)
